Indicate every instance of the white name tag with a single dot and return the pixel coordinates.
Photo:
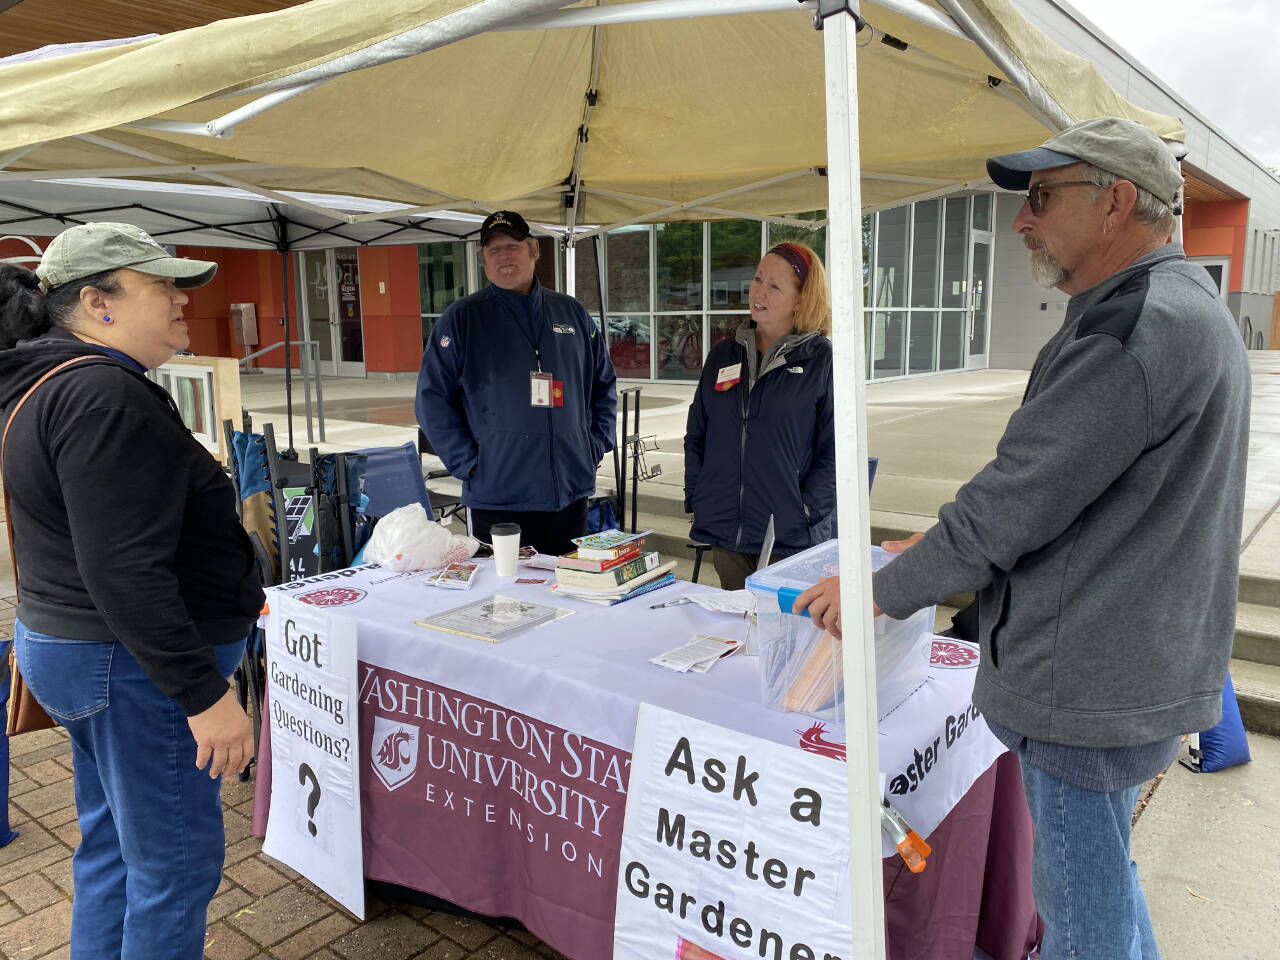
(730, 374)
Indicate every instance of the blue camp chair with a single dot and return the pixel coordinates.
(393, 478)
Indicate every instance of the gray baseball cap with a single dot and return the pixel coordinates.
(97, 247)
(1123, 147)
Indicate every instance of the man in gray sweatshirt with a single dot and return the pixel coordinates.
(1103, 538)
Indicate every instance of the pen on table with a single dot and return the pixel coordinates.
(670, 603)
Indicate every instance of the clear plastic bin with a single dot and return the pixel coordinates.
(801, 666)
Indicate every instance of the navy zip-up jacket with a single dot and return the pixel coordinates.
(474, 398)
(763, 447)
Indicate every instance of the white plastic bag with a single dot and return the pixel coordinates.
(407, 539)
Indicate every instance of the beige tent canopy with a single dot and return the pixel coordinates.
(593, 114)
(575, 115)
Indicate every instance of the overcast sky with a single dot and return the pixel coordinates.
(1221, 57)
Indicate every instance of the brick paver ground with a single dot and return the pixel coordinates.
(262, 908)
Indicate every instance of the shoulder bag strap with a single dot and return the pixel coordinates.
(4, 439)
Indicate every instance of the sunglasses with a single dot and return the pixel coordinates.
(1037, 196)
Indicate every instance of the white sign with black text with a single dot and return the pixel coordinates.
(314, 823)
(733, 848)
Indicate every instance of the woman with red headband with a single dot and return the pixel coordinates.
(760, 439)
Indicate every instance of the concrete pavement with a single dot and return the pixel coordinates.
(1206, 844)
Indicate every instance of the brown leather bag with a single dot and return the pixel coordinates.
(25, 713)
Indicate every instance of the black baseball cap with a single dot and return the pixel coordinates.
(504, 221)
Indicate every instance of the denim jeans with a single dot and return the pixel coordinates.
(151, 835)
(7, 836)
(1086, 886)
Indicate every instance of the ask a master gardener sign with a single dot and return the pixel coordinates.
(733, 848)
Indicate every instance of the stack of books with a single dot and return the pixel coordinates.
(610, 567)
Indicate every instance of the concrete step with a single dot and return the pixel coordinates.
(1257, 634)
(1257, 688)
(1259, 590)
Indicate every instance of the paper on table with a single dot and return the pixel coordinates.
(700, 654)
(738, 602)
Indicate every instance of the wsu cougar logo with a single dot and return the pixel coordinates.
(393, 751)
(814, 741)
(952, 654)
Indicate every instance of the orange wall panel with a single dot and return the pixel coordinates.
(1217, 229)
(389, 301)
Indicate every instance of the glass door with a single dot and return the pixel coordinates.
(979, 302)
(331, 309)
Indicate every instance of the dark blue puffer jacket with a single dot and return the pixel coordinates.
(473, 399)
(762, 448)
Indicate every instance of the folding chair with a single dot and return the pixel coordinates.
(393, 478)
(446, 503)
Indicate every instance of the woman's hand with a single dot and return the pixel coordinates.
(224, 737)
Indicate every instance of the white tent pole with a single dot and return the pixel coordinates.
(472, 20)
(844, 267)
(687, 10)
(15, 155)
(949, 189)
(215, 178)
(1010, 65)
(120, 172)
(701, 201)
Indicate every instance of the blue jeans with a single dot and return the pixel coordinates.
(7, 836)
(1086, 886)
(151, 835)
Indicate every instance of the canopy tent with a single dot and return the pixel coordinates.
(476, 104)
(570, 115)
(207, 215)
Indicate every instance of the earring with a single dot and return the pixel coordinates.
(107, 319)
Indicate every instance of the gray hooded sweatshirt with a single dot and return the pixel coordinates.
(1103, 538)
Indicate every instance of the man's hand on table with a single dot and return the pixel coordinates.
(822, 600)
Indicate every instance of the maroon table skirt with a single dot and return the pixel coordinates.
(976, 886)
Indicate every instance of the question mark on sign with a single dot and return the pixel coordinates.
(313, 800)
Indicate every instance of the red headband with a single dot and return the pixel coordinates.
(797, 256)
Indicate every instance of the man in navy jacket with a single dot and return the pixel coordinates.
(518, 396)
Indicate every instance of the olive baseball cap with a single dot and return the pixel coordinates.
(1123, 147)
(93, 248)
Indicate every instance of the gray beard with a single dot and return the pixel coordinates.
(1045, 270)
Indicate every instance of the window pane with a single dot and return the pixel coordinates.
(868, 327)
(982, 211)
(679, 347)
(868, 256)
(924, 327)
(890, 344)
(627, 255)
(891, 258)
(951, 340)
(925, 254)
(955, 235)
(723, 326)
(679, 256)
(735, 251)
(780, 233)
(629, 346)
(586, 283)
(442, 275)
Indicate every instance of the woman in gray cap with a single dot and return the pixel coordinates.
(137, 582)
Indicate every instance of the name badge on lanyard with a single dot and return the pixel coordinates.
(729, 376)
(540, 389)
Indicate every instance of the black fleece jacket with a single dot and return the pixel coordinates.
(124, 526)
